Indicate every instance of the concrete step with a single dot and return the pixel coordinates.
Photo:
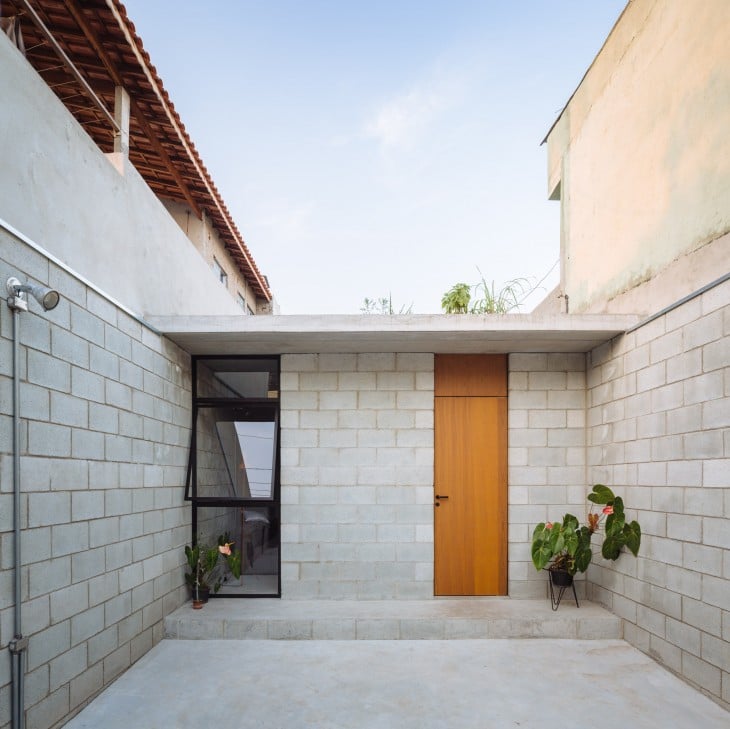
(436, 619)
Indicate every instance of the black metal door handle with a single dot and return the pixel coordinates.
(441, 497)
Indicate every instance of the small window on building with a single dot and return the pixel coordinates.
(242, 303)
(249, 310)
(219, 272)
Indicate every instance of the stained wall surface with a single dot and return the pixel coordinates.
(641, 156)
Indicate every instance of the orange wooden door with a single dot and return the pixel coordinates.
(470, 518)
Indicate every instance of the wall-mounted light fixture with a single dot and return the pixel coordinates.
(47, 298)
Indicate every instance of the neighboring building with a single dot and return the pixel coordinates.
(318, 440)
(89, 55)
(640, 160)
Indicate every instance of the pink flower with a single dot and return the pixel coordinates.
(549, 525)
(225, 549)
(608, 509)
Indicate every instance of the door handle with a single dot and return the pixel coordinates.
(441, 497)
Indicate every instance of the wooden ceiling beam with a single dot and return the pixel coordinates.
(43, 29)
(78, 15)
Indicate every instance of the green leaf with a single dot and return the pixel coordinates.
(541, 555)
(234, 563)
(611, 548)
(632, 536)
(615, 524)
(583, 559)
(618, 505)
(192, 555)
(601, 494)
(456, 299)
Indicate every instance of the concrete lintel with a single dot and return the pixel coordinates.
(381, 333)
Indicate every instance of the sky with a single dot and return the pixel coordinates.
(381, 148)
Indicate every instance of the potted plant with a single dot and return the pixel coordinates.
(564, 548)
(209, 567)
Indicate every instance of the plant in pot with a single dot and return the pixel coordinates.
(209, 567)
(564, 548)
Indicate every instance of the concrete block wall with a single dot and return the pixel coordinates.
(546, 476)
(357, 476)
(105, 406)
(659, 431)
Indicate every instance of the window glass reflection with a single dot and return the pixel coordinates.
(253, 530)
(236, 453)
(248, 448)
(233, 378)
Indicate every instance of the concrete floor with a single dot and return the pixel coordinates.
(398, 684)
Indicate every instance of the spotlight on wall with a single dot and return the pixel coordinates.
(47, 298)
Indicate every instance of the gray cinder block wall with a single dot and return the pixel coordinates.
(105, 405)
(357, 469)
(547, 477)
(659, 430)
(357, 476)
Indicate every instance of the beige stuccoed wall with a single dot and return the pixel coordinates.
(59, 190)
(642, 157)
(205, 238)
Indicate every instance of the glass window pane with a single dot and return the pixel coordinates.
(255, 533)
(236, 452)
(238, 378)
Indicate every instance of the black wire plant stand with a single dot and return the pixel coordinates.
(560, 581)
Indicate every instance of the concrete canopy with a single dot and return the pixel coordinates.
(460, 333)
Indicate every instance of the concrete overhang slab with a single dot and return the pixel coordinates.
(456, 333)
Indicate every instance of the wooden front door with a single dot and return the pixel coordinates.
(470, 479)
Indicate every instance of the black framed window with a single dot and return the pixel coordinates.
(233, 469)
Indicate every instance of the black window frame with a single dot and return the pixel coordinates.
(260, 405)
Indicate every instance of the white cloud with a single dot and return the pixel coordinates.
(288, 220)
(398, 120)
(402, 120)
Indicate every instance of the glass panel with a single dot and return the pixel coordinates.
(236, 452)
(249, 452)
(238, 378)
(253, 531)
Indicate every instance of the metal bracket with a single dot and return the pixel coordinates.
(17, 303)
(16, 298)
(18, 645)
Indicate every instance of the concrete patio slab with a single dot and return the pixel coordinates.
(469, 684)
